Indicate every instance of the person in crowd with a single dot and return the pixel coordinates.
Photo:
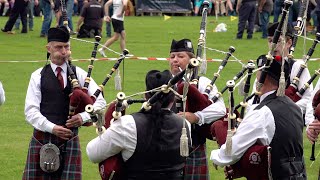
(197, 5)
(247, 11)
(19, 9)
(117, 19)
(90, 20)
(108, 24)
(46, 7)
(30, 15)
(264, 10)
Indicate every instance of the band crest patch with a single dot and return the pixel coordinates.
(254, 158)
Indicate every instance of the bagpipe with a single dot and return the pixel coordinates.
(220, 128)
(64, 14)
(235, 78)
(197, 101)
(292, 91)
(270, 55)
(79, 97)
(257, 158)
(201, 40)
(99, 123)
(112, 167)
(113, 69)
(246, 90)
(298, 28)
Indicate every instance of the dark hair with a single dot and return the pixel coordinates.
(154, 79)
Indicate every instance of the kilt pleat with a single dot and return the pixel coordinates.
(70, 168)
(196, 165)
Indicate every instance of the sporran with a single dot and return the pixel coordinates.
(50, 158)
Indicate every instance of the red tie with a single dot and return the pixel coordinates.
(60, 78)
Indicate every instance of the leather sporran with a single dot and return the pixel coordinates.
(49, 158)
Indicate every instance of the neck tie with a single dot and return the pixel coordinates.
(60, 78)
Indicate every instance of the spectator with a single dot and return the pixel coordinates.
(117, 19)
(197, 5)
(19, 9)
(46, 7)
(264, 10)
(30, 15)
(247, 13)
(90, 20)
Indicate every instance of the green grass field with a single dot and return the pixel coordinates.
(146, 37)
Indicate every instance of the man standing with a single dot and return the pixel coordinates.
(277, 122)
(46, 7)
(264, 10)
(47, 109)
(247, 13)
(117, 19)
(30, 13)
(196, 167)
(19, 9)
(149, 141)
(90, 20)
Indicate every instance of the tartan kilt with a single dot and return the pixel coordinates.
(196, 165)
(71, 162)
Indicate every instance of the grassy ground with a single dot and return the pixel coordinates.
(146, 37)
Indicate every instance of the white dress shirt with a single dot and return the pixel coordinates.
(309, 117)
(213, 112)
(305, 76)
(257, 126)
(2, 94)
(121, 136)
(33, 98)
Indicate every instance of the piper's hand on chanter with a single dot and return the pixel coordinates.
(61, 132)
(228, 172)
(75, 121)
(191, 117)
(313, 131)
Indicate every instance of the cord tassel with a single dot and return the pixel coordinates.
(184, 148)
(117, 81)
(229, 143)
(203, 67)
(282, 88)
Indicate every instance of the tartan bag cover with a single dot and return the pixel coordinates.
(196, 165)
